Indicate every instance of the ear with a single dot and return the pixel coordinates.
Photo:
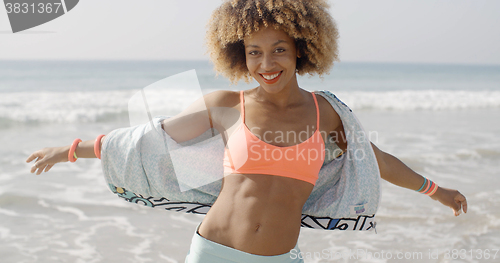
(298, 53)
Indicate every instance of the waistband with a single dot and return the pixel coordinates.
(203, 250)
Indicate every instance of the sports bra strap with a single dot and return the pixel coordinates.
(242, 100)
(317, 110)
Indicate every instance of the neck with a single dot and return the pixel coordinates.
(290, 94)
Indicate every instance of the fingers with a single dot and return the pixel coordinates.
(38, 162)
(36, 165)
(453, 199)
(33, 156)
(461, 201)
(39, 166)
(456, 208)
(39, 171)
(48, 167)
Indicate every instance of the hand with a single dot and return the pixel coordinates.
(451, 198)
(47, 157)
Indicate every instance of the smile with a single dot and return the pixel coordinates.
(270, 78)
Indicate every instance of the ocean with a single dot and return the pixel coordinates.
(440, 120)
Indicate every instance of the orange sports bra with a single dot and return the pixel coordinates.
(247, 154)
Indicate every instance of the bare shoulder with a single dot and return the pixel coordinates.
(223, 108)
(329, 118)
(222, 98)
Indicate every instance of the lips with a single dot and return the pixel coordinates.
(270, 78)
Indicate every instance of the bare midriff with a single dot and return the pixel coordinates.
(257, 213)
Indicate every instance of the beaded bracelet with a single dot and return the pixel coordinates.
(430, 189)
(97, 146)
(72, 154)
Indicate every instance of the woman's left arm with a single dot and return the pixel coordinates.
(396, 172)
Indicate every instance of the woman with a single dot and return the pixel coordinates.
(257, 215)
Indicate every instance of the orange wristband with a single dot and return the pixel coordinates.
(71, 154)
(97, 146)
(433, 191)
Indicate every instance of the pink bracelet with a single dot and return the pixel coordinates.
(97, 146)
(72, 154)
(433, 191)
(429, 189)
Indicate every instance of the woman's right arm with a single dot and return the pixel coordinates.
(48, 157)
(189, 124)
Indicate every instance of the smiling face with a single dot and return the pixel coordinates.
(271, 58)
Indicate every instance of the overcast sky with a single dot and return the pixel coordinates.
(422, 31)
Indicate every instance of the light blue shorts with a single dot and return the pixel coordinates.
(203, 250)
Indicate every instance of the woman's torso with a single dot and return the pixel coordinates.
(256, 213)
(261, 213)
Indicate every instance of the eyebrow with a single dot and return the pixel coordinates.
(277, 42)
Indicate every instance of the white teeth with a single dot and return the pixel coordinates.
(270, 77)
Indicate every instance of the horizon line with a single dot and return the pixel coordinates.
(209, 61)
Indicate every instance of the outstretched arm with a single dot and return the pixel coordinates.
(396, 172)
(48, 157)
(189, 124)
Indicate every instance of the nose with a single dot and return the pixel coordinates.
(268, 62)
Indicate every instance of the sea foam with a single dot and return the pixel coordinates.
(99, 106)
